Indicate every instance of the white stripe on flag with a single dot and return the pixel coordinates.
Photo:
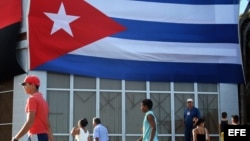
(167, 12)
(162, 51)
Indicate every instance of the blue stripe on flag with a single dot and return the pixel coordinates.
(176, 32)
(201, 2)
(145, 71)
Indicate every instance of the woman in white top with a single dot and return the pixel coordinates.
(81, 133)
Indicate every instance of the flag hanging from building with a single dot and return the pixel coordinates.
(142, 40)
(10, 24)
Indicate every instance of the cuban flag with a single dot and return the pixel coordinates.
(140, 40)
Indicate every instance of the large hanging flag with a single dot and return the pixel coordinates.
(142, 40)
(10, 24)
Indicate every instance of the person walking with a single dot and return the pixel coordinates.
(149, 128)
(224, 122)
(100, 132)
(37, 123)
(200, 132)
(191, 114)
(81, 133)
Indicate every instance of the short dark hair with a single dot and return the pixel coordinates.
(200, 120)
(235, 118)
(224, 114)
(148, 103)
(84, 122)
(97, 120)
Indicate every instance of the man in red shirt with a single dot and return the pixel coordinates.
(37, 124)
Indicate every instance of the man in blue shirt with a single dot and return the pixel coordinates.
(191, 115)
(100, 132)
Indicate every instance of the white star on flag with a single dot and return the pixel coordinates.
(61, 20)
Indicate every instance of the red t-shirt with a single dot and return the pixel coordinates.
(36, 103)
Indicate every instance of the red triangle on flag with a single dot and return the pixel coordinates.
(60, 26)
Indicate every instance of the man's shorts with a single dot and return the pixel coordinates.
(39, 137)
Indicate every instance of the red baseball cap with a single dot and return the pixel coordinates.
(32, 79)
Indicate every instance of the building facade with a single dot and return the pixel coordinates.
(117, 103)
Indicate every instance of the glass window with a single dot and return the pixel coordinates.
(115, 138)
(55, 80)
(161, 138)
(162, 111)
(179, 106)
(131, 138)
(208, 105)
(61, 138)
(207, 87)
(243, 5)
(188, 87)
(159, 86)
(106, 84)
(111, 111)
(59, 110)
(134, 115)
(135, 85)
(118, 103)
(81, 82)
(84, 107)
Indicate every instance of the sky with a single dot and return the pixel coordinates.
(243, 4)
